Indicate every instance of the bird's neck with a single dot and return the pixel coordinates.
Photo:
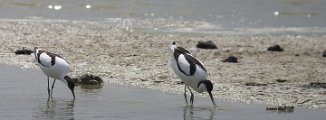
(201, 88)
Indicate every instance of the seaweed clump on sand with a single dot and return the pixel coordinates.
(281, 108)
(324, 53)
(276, 48)
(316, 85)
(23, 52)
(89, 80)
(231, 59)
(206, 45)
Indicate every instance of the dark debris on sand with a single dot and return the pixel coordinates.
(255, 84)
(23, 52)
(88, 80)
(324, 53)
(316, 85)
(281, 108)
(231, 59)
(206, 45)
(280, 80)
(276, 48)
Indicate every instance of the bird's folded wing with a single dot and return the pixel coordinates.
(186, 64)
(45, 60)
(197, 62)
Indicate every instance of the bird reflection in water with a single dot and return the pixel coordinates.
(91, 88)
(201, 113)
(57, 110)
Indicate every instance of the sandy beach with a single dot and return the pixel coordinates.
(133, 57)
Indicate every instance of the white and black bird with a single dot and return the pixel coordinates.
(54, 66)
(191, 71)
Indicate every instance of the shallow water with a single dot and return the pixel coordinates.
(208, 14)
(23, 96)
(183, 16)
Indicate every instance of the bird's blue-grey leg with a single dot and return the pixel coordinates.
(191, 97)
(48, 88)
(52, 87)
(185, 94)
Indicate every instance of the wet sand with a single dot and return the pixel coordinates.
(128, 56)
(24, 96)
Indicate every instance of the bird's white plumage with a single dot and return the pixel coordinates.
(191, 71)
(45, 60)
(184, 65)
(56, 71)
(54, 66)
(191, 80)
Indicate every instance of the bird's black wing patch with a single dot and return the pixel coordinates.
(177, 52)
(51, 55)
(190, 60)
(199, 64)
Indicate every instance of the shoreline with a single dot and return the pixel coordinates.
(139, 58)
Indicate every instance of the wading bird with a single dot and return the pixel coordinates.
(54, 66)
(191, 71)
